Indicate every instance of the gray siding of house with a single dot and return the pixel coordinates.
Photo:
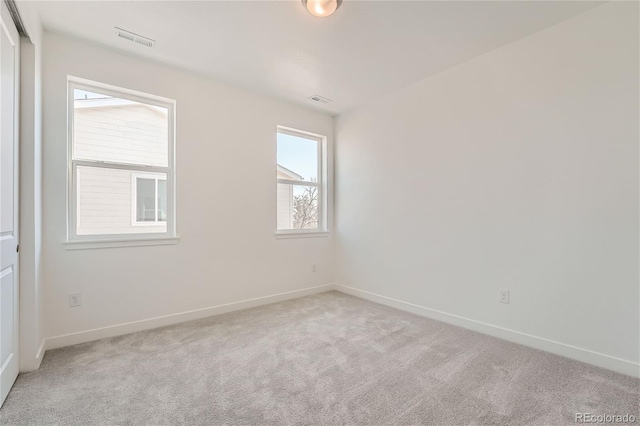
(119, 134)
(135, 134)
(285, 206)
(105, 203)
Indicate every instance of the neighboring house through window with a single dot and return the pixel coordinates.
(149, 199)
(121, 157)
(285, 197)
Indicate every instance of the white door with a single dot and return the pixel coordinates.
(9, 60)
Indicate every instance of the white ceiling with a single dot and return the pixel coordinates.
(365, 50)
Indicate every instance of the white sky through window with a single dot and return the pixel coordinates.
(300, 155)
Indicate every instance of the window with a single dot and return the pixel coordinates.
(149, 199)
(121, 167)
(300, 176)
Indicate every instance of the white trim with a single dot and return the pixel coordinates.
(102, 102)
(32, 364)
(40, 353)
(301, 234)
(114, 103)
(569, 351)
(124, 242)
(134, 197)
(135, 326)
(28, 363)
(321, 184)
(116, 91)
(297, 182)
(323, 200)
(299, 133)
(72, 164)
(121, 166)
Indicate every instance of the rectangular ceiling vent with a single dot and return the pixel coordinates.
(136, 38)
(321, 99)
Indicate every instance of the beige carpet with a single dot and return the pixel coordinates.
(323, 359)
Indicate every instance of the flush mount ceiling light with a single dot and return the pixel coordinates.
(321, 8)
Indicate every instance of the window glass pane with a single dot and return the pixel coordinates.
(145, 200)
(111, 129)
(105, 202)
(285, 206)
(297, 158)
(297, 207)
(162, 200)
(305, 207)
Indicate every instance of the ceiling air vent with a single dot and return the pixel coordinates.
(128, 35)
(321, 99)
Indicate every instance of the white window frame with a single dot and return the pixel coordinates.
(75, 241)
(321, 184)
(134, 198)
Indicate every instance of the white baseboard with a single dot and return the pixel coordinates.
(32, 364)
(40, 354)
(132, 327)
(584, 355)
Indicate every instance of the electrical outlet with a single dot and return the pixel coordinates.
(503, 296)
(313, 268)
(75, 299)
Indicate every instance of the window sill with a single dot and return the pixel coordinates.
(133, 242)
(301, 234)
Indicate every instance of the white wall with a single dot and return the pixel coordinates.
(516, 170)
(225, 254)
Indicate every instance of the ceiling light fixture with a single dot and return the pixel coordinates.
(321, 8)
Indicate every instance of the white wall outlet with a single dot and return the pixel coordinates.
(503, 296)
(313, 268)
(75, 299)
